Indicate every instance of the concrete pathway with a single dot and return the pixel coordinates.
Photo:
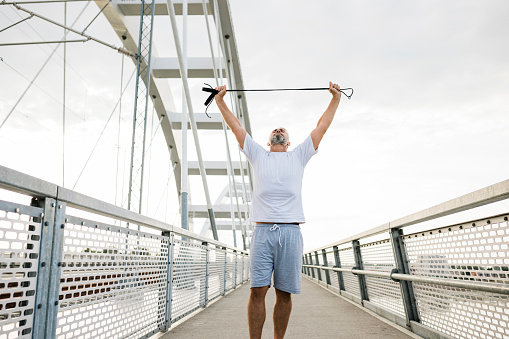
(316, 313)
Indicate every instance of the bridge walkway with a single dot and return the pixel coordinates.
(317, 313)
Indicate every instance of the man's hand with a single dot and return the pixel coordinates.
(334, 90)
(222, 92)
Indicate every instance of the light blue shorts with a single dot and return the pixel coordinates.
(277, 248)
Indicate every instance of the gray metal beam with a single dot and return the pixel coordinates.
(318, 264)
(216, 168)
(407, 291)
(132, 8)
(220, 211)
(327, 275)
(26, 184)
(360, 266)
(337, 259)
(223, 225)
(196, 67)
(202, 121)
(465, 284)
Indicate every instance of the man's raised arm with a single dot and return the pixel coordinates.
(327, 117)
(230, 119)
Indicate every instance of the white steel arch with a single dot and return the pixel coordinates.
(169, 66)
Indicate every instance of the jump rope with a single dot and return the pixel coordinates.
(213, 92)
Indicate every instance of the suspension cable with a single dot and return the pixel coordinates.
(40, 88)
(40, 70)
(102, 132)
(14, 24)
(166, 187)
(83, 83)
(222, 51)
(229, 167)
(119, 123)
(63, 102)
(119, 49)
(102, 9)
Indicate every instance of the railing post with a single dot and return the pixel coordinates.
(308, 269)
(225, 269)
(358, 265)
(318, 266)
(43, 271)
(311, 263)
(235, 275)
(55, 270)
(407, 291)
(169, 274)
(327, 275)
(341, 282)
(244, 268)
(206, 287)
(243, 264)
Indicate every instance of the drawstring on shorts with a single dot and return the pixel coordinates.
(276, 227)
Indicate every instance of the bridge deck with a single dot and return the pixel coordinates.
(316, 313)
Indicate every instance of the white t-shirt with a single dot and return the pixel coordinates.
(277, 181)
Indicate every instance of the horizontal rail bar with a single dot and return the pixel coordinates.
(118, 49)
(22, 183)
(42, 42)
(477, 286)
(39, 2)
(481, 197)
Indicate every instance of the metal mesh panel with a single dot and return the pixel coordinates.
(19, 260)
(351, 281)
(189, 278)
(216, 272)
(384, 292)
(113, 281)
(331, 262)
(230, 270)
(477, 252)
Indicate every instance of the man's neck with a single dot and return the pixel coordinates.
(278, 148)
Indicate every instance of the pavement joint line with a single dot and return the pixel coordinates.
(379, 317)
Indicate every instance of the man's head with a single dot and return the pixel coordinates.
(279, 136)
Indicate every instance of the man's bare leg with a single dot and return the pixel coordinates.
(256, 311)
(282, 310)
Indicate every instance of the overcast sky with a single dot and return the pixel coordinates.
(429, 120)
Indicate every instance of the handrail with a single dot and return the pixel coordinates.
(25, 184)
(478, 286)
(483, 196)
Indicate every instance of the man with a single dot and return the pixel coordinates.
(276, 245)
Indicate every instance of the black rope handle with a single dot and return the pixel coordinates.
(213, 92)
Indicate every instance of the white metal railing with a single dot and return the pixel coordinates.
(63, 275)
(445, 281)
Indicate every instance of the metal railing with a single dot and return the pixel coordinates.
(66, 276)
(449, 281)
